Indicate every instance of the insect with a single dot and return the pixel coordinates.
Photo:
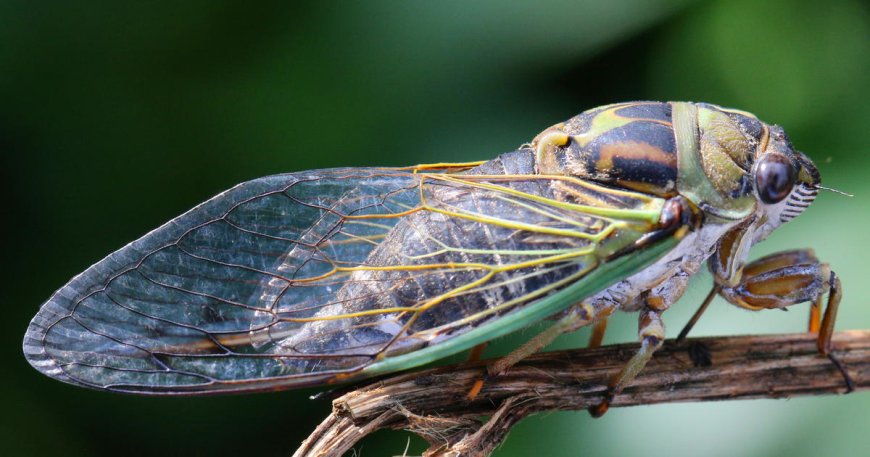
(317, 277)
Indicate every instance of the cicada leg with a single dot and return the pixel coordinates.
(576, 317)
(473, 356)
(598, 330)
(765, 265)
(651, 331)
(477, 351)
(700, 312)
(788, 278)
(814, 324)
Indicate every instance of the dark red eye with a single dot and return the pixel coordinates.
(774, 178)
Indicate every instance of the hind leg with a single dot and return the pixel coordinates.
(577, 317)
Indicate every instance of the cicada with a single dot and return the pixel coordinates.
(317, 277)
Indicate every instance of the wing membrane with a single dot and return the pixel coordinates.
(309, 277)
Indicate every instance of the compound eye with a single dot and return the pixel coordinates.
(774, 178)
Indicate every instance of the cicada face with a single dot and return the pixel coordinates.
(785, 183)
(754, 165)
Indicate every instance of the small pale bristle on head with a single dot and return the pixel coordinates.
(836, 191)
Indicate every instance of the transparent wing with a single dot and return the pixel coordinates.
(311, 277)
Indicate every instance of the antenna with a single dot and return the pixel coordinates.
(835, 191)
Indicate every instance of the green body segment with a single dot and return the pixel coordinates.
(708, 187)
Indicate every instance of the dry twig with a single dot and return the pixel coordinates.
(434, 403)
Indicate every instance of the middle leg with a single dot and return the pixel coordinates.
(651, 331)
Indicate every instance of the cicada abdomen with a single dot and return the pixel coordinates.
(475, 246)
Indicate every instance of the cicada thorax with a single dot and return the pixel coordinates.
(630, 145)
(699, 150)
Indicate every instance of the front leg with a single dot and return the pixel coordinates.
(781, 280)
(775, 281)
(787, 278)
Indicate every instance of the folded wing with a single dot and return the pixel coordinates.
(304, 278)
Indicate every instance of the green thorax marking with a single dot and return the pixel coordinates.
(628, 145)
(601, 123)
(707, 181)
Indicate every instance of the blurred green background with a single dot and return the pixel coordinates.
(115, 118)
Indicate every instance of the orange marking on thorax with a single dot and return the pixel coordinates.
(632, 150)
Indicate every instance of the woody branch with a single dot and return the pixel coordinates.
(434, 403)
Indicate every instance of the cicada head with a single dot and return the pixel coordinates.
(753, 165)
(785, 182)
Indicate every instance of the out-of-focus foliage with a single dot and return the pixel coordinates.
(116, 117)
